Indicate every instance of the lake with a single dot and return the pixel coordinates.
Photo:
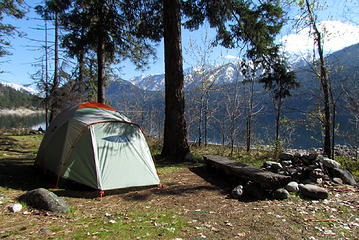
(32, 121)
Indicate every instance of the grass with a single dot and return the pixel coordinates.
(351, 164)
(152, 224)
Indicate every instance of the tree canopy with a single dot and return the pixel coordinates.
(10, 8)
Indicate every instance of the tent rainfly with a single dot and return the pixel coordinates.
(95, 145)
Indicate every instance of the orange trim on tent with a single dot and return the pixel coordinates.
(95, 105)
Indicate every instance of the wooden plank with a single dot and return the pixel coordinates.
(267, 180)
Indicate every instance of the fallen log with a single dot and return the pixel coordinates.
(267, 180)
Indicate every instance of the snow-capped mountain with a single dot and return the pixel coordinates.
(222, 74)
(152, 82)
(21, 88)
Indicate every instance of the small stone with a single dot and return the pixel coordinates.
(281, 194)
(15, 207)
(272, 165)
(287, 163)
(292, 187)
(237, 192)
(45, 231)
(337, 180)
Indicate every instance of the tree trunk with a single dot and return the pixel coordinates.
(250, 116)
(206, 121)
(55, 84)
(200, 122)
(323, 82)
(279, 105)
(175, 135)
(100, 71)
(46, 80)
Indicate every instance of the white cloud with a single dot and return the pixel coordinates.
(338, 35)
(232, 57)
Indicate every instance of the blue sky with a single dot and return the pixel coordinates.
(340, 19)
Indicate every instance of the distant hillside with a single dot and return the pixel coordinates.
(16, 98)
(139, 103)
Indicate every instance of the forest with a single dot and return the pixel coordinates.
(94, 36)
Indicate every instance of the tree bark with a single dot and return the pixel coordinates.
(279, 105)
(250, 115)
(323, 82)
(100, 60)
(175, 143)
(55, 83)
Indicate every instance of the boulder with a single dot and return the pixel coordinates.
(43, 199)
(237, 192)
(244, 173)
(281, 194)
(272, 165)
(313, 192)
(329, 163)
(286, 156)
(254, 191)
(292, 187)
(344, 175)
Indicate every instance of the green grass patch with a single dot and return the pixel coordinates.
(351, 164)
(147, 224)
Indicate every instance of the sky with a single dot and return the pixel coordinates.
(340, 19)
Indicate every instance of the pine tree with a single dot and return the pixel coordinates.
(111, 29)
(11, 8)
(279, 81)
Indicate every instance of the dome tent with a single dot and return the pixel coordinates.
(95, 145)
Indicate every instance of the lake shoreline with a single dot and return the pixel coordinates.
(20, 111)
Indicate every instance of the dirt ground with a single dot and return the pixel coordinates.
(205, 204)
(190, 194)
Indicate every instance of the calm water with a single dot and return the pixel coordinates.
(33, 121)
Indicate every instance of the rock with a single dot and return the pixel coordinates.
(244, 173)
(313, 192)
(292, 187)
(15, 207)
(237, 192)
(45, 231)
(287, 163)
(281, 194)
(312, 156)
(254, 191)
(43, 199)
(188, 157)
(286, 156)
(337, 180)
(344, 175)
(329, 163)
(272, 165)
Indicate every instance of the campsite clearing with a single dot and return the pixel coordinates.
(192, 205)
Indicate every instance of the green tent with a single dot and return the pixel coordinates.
(95, 145)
